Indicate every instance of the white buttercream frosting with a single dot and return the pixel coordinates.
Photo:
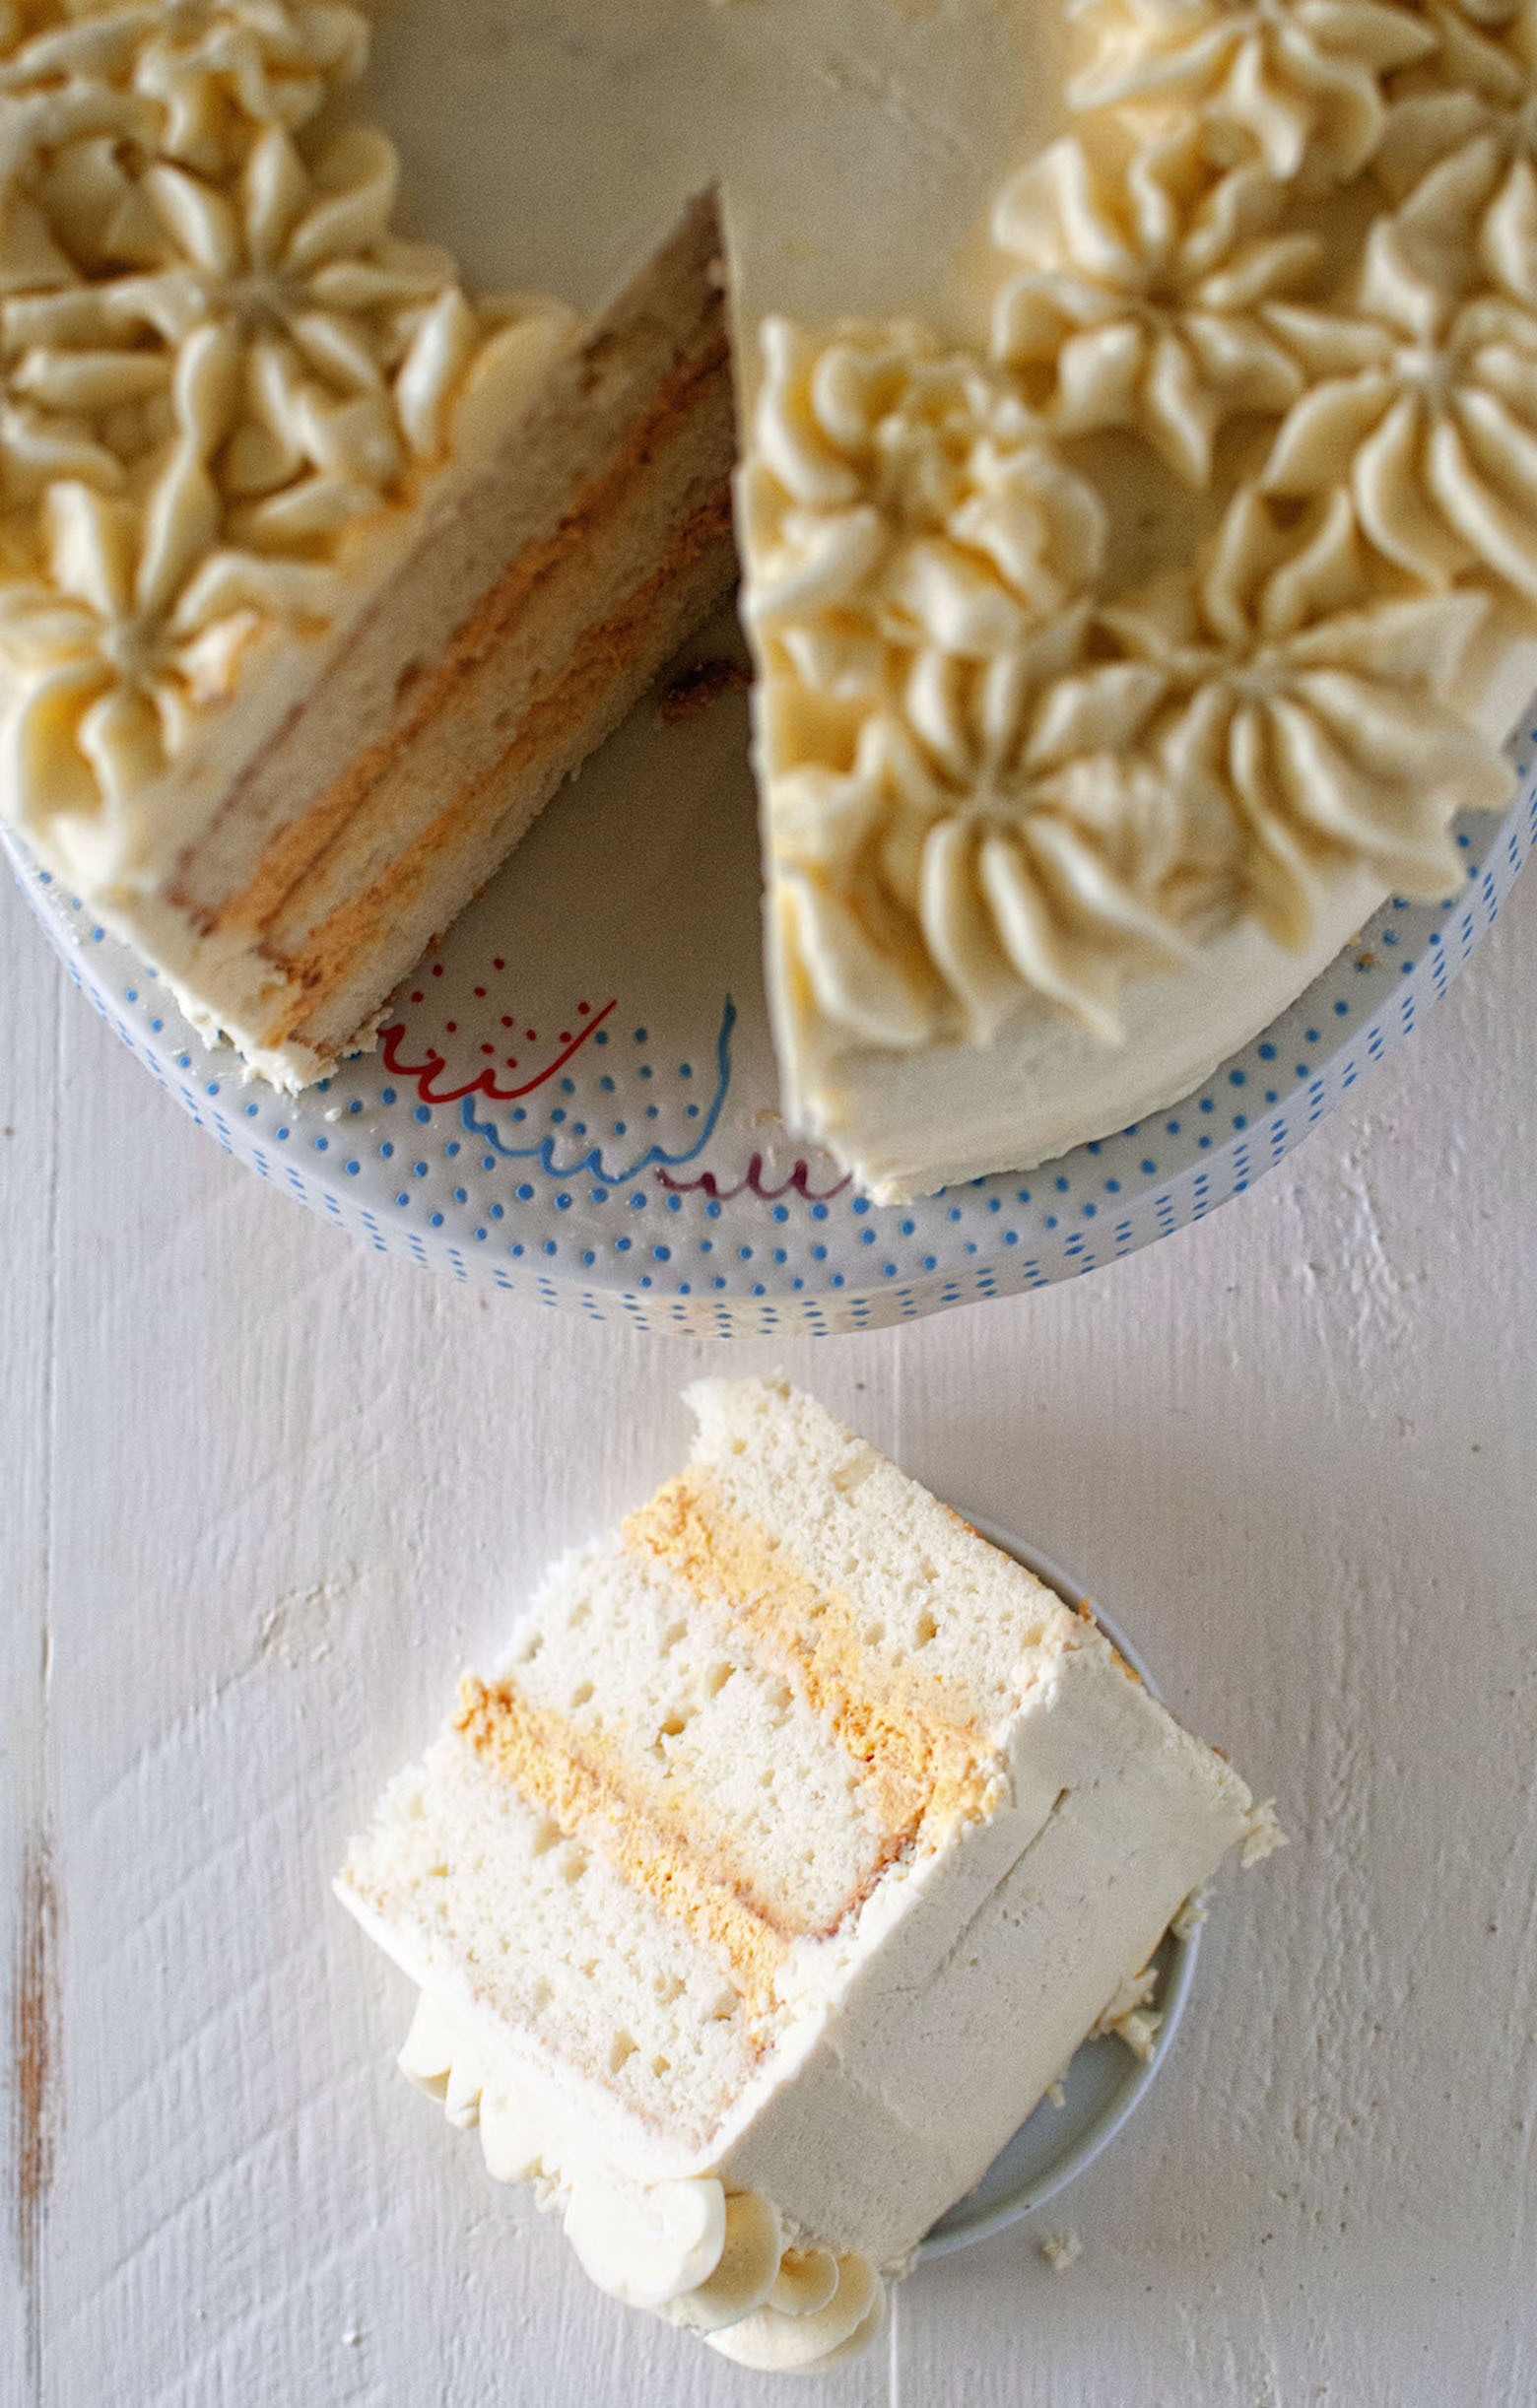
(1423, 387)
(719, 2263)
(1263, 1836)
(1131, 2014)
(1318, 707)
(1000, 794)
(1299, 82)
(1140, 306)
(922, 554)
(1072, 805)
(786, 2341)
(713, 2261)
(1478, 87)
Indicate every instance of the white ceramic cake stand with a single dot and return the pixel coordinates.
(574, 1096)
(1104, 2083)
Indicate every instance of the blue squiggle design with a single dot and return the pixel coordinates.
(592, 1161)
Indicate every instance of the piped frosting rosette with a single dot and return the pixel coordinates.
(1297, 84)
(1422, 391)
(924, 558)
(717, 2262)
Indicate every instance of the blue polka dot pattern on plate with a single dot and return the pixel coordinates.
(584, 1139)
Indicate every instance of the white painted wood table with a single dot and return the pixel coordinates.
(261, 1497)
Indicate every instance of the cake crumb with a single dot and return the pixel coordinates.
(1191, 1915)
(693, 690)
(1139, 2031)
(1060, 2251)
(1263, 1836)
(1056, 2091)
(1130, 2015)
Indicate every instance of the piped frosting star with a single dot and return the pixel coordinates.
(1295, 83)
(1140, 301)
(1423, 388)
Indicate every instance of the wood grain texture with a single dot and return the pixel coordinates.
(264, 1497)
(28, 1176)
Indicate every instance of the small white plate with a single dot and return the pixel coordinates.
(1104, 2081)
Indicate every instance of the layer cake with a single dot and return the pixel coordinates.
(1135, 426)
(783, 1863)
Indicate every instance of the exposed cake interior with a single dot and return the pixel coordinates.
(361, 794)
(793, 1848)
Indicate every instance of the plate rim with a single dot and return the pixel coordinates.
(1413, 961)
(984, 2223)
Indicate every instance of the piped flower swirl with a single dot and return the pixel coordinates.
(1282, 680)
(1423, 390)
(1140, 301)
(183, 77)
(1297, 83)
(1480, 87)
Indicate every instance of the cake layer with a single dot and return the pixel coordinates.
(542, 1948)
(917, 1599)
(679, 1706)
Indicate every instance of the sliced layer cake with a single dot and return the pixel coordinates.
(775, 1875)
(1135, 508)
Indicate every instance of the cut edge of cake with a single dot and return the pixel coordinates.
(588, 544)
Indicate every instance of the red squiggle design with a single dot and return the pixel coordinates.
(484, 1082)
(754, 1181)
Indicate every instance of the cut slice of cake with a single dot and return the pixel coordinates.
(781, 1866)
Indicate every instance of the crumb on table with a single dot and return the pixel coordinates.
(693, 690)
(1060, 2251)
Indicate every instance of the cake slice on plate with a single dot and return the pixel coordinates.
(783, 1863)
